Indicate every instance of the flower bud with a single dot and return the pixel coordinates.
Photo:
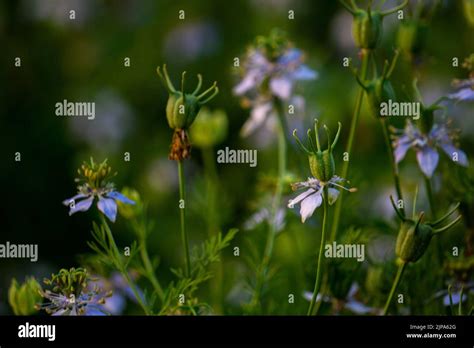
(24, 297)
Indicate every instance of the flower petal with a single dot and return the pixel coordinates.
(108, 207)
(304, 73)
(120, 197)
(70, 200)
(282, 86)
(299, 198)
(452, 150)
(464, 94)
(309, 205)
(258, 115)
(83, 205)
(427, 160)
(357, 307)
(401, 147)
(332, 195)
(251, 80)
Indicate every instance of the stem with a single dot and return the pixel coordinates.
(401, 268)
(263, 268)
(122, 269)
(184, 235)
(317, 282)
(150, 271)
(213, 224)
(212, 181)
(350, 141)
(388, 144)
(429, 192)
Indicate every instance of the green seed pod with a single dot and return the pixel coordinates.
(322, 165)
(367, 24)
(367, 29)
(415, 235)
(182, 108)
(181, 113)
(321, 162)
(411, 36)
(24, 297)
(413, 240)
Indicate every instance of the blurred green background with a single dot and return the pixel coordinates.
(83, 60)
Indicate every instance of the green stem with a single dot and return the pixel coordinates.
(401, 268)
(184, 235)
(429, 193)
(317, 282)
(350, 141)
(150, 271)
(263, 268)
(213, 225)
(212, 182)
(123, 270)
(388, 144)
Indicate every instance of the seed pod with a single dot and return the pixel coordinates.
(413, 240)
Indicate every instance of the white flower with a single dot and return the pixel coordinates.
(313, 197)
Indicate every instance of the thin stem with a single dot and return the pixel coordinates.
(212, 219)
(122, 270)
(429, 192)
(263, 268)
(182, 204)
(212, 182)
(396, 176)
(317, 282)
(398, 277)
(150, 271)
(350, 142)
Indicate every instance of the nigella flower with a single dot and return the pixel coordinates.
(96, 185)
(312, 198)
(271, 70)
(281, 73)
(70, 294)
(465, 91)
(426, 145)
(322, 166)
(87, 303)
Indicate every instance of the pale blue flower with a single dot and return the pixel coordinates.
(264, 79)
(107, 200)
(87, 303)
(426, 146)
